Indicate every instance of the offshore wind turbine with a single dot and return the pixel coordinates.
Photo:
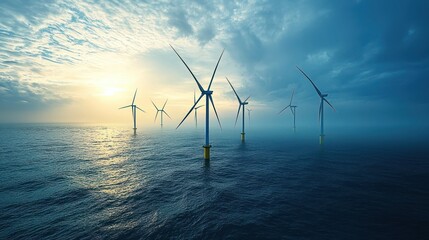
(209, 99)
(241, 103)
(322, 99)
(292, 109)
(160, 110)
(195, 110)
(249, 110)
(133, 110)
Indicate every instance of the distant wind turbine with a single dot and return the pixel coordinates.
(241, 103)
(195, 110)
(208, 93)
(322, 99)
(249, 110)
(292, 109)
(133, 109)
(160, 110)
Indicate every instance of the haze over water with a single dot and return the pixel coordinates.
(359, 69)
(87, 181)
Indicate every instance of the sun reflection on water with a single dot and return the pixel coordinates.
(109, 167)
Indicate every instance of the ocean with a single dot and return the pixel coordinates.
(66, 181)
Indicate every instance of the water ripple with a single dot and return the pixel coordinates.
(103, 182)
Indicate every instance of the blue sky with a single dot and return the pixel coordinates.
(72, 61)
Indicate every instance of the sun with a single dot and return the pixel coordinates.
(110, 85)
(110, 91)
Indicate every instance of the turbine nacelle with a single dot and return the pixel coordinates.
(208, 92)
(324, 95)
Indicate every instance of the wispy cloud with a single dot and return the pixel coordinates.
(355, 49)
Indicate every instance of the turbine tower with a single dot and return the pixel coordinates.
(160, 110)
(292, 109)
(133, 110)
(241, 103)
(195, 110)
(208, 93)
(249, 110)
(322, 99)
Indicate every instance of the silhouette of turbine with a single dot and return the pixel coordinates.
(241, 104)
(209, 99)
(321, 111)
(292, 109)
(133, 109)
(162, 111)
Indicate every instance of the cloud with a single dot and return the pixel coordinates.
(335, 45)
(319, 57)
(357, 51)
(63, 41)
(177, 18)
(206, 34)
(27, 96)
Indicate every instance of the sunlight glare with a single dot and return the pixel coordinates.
(110, 91)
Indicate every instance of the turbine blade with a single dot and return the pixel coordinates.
(199, 106)
(192, 108)
(292, 97)
(324, 99)
(317, 90)
(214, 108)
(214, 72)
(134, 98)
(238, 113)
(239, 100)
(199, 85)
(284, 108)
(164, 105)
(320, 109)
(194, 95)
(140, 109)
(156, 116)
(166, 114)
(154, 105)
(247, 98)
(125, 107)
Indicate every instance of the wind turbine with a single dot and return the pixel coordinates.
(195, 110)
(249, 110)
(160, 110)
(241, 103)
(133, 110)
(292, 109)
(208, 93)
(322, 99)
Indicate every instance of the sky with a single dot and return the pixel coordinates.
(79, 61)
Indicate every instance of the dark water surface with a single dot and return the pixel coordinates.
(70, 181)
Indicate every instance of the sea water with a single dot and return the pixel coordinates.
(64, 181)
